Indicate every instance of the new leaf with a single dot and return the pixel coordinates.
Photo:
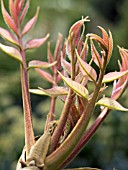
(76, 87)
(11, 51)
(30, 23)
(111, 104)
(8, 36)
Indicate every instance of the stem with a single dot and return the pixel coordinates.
(52, 107)
(55, 160)
(51, 115)
(65, 112)
(29, 134)
(59, 129)
(86, 137)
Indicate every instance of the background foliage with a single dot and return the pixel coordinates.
(108, 149)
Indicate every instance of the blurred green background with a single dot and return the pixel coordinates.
(108, 148)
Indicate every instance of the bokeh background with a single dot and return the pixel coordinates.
(108, 148)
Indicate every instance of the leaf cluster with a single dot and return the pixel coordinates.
(64, 138)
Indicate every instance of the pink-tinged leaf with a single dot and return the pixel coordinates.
(59, 77)
(84, 50)
(66, 66)
(40, 64)
(76, 38)
(8, 36)
(21, 4)
(47, 76)
(111, 104)
(24, 12)
(86, 69)
(58, 47)
(13, 11)
(110, 47)
(85, 80)
(74, 29)
(68, 50)
(124, 56)
(11, 51)
(17, 2)
(80, 44)
(98, 39)
(79, 77)
(64, 49)
(9, 21)
(50, 57)
(55, 91)
(76, 87)
(63, 98)
(113, 76)
(104, 35)
(35, 43)
(95, 55)
(102, 89)
(117, 92)
(30, 23)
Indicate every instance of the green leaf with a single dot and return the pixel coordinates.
(55, 91)
(40, 64)
(86, 69)
(76, 87)
(113, 76)
(111, 104)
(38, 91)
(14, 53)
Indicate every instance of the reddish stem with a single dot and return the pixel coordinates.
(51, 114)
(56, 159)
(86, 137)
(29, 134)
(59, 129)
(65, 112)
